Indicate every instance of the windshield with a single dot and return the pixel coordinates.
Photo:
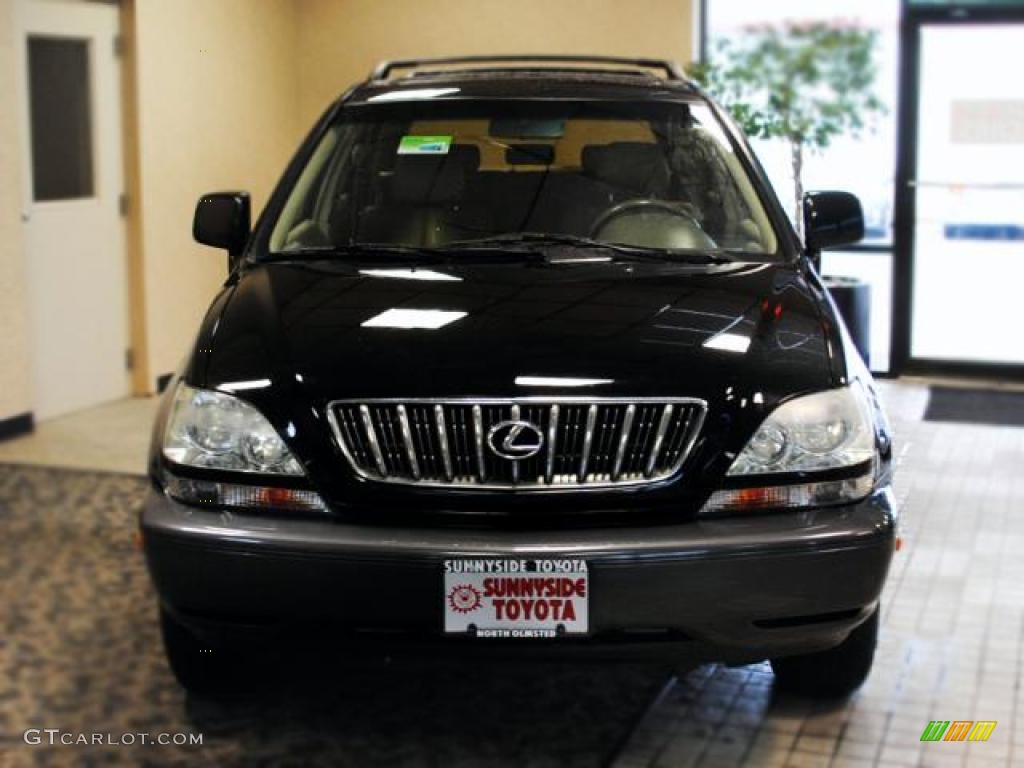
(444, 175)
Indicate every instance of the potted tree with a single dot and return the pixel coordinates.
(804, 83)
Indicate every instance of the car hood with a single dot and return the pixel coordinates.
(324, 330)
(292, 337)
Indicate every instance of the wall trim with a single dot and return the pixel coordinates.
(135, 273)
(699, 44)
(18, 425)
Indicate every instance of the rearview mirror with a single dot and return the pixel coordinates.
(222, 220)
(831, 219)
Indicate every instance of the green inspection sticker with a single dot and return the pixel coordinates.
(424, 145)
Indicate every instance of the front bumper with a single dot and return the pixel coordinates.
(735, 589)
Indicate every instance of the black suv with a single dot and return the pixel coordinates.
(524, 353)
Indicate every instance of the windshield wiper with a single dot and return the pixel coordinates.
(405, 253)
(511, 245)
(542, 242)
(383, 250)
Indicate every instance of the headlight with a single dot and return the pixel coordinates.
(826, 430)
(214, 430)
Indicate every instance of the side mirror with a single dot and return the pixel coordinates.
(830, 219)
(222, 220)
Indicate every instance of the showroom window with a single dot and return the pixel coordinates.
(864, 165)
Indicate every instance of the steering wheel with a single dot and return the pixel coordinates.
(680, 210)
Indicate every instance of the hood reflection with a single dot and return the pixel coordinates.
(406, 319)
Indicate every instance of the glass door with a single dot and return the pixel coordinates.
(967, 274)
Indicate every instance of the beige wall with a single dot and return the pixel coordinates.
(15, 362)
(341, 40)
(217, 103)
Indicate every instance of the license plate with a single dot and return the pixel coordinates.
(516, 598)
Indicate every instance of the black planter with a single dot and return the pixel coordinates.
(853, 299)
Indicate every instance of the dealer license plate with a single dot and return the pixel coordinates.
(516, 598)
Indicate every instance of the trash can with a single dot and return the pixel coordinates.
(853, 299)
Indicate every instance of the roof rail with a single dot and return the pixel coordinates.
(671, 69)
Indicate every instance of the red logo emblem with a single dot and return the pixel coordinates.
(464, 598)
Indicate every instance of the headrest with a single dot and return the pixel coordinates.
(434, 179)
(632, 165)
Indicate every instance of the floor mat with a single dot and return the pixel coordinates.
(975, 406)
(80, 650)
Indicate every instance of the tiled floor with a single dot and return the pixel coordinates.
(951, 638)
(80, 651)
(112, 437)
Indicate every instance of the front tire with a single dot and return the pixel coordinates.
(834, 673)
(204, 667)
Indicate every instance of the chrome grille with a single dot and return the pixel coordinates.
(587, 442)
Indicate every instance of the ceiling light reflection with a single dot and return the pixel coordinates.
(405, 319)
(410, 274)
(559, 381)
(413, 93)
(241, 386)
(729, 342)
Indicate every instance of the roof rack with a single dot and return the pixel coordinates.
(671, 69)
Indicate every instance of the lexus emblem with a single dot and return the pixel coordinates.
(515, 440)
